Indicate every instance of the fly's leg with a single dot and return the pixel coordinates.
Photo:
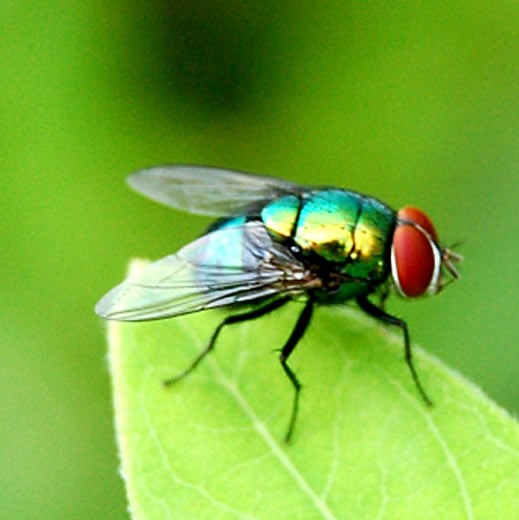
(297, 333)
(383, 296)
(384, 317)
(229, 320)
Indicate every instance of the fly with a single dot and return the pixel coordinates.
(276, 241)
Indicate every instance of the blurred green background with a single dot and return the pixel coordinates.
(413, 102)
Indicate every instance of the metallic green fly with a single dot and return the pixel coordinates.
(276, 241)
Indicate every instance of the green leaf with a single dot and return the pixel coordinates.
(365, 445)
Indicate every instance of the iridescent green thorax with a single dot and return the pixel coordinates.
(348, 233)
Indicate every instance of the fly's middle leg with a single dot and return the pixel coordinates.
(297, 333)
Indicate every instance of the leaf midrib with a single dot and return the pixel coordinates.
(265, 435)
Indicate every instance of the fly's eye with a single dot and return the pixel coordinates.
(415, 256)
(417, 216)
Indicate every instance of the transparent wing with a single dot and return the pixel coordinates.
(227, 266)
(208, 191)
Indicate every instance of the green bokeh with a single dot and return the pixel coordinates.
(411, 102)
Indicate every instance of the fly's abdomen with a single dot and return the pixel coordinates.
(225, 249)
(320, 222)
(346, 233)
(281, 216)
(326, 224)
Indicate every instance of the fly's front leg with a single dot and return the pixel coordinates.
(383, 316)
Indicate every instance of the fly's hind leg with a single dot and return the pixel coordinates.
(229, 320)
(297, 333)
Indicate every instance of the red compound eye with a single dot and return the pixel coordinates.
(415, 258)
(418, 217)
